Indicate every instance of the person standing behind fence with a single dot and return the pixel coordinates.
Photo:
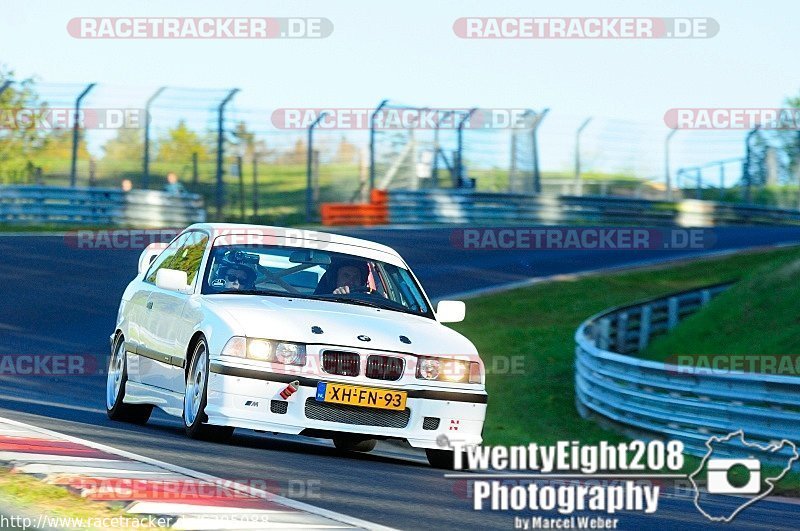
(173, 185)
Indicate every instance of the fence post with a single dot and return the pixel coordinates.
(437, 149)
(667, 174)
(220, 201)
(255, 183)
(146, 162)
(705, 297)
(92, 172)
(372, 144)
(537, 178)
(240, 171)
(195, 172)
(309, 167)
(645, 322)
(578, 182)
(746, 169)
(721, 181)
(672, 312)
(604, 333)
(73, 173)
(460, 149)
(315, 175)
(622, 332)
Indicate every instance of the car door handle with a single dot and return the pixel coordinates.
(149, 305)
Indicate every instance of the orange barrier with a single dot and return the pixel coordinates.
(376, 212)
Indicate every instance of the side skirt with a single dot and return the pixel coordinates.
(170, 402)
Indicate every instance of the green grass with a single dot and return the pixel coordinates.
(34, 497)
(536, 326)
(757, 316)
(782, 196)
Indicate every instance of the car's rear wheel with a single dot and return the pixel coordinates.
(440, 458)
(196, 396)
(348, 443)
(117, 377)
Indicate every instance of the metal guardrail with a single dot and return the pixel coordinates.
(653, 399)
(458, 206)
(20, 205)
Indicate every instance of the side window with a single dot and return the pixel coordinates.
(190, 255)
(165, 258)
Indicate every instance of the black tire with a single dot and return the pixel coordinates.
(194, 418)
(443, 459)
(116, 408)
(346, 443)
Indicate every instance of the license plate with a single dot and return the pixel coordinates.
(355, 395)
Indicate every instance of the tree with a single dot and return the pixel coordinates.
(347, 152)
(250, 142)
(791, 140)
(297, 154)
(127, 146)
(178, 144)
(18, 144)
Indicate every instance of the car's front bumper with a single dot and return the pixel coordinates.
(247, 398)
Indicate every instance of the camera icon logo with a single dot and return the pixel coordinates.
(719, 473)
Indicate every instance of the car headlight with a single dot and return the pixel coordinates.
(449, 370)
(290, 353)
(455, 371)
(259, 349)
(266, 350)
(236, 346)
(428, 368)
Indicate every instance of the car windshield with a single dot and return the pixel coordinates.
(312, 274)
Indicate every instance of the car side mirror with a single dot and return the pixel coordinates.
(173, 280)
(451, 311)
(149, 254)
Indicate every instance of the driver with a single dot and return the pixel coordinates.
(351, 275)
(236, 277)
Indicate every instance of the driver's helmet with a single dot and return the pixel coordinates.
(232, 268)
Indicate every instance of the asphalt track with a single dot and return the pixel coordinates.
(56, 299)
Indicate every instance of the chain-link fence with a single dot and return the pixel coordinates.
(280, 165)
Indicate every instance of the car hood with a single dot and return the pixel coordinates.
(341, 324)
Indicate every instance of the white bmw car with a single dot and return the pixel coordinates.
(293, 331)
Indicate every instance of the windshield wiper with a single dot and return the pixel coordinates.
(347, 300)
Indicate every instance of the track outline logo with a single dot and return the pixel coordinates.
(771, 481)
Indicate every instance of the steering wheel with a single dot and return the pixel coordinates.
(361, 289)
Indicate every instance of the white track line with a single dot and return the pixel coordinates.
(294, 504)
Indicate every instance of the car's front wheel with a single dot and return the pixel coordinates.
(195, 398)
(117, 377)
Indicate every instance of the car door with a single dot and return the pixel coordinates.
(175, 322)
(154, 367)
(140, 364)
